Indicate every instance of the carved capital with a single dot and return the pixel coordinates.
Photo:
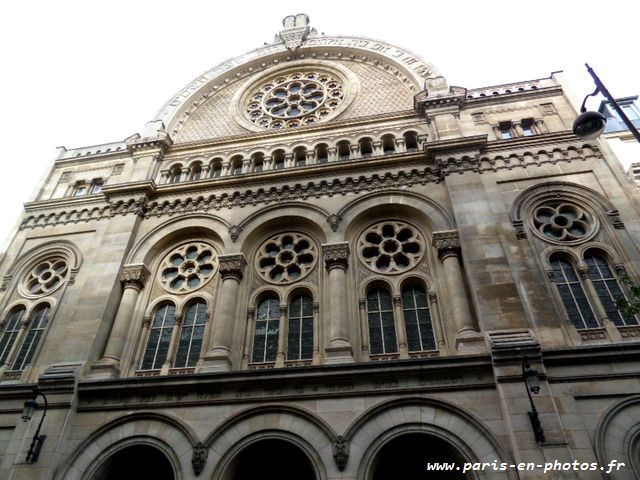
(362, 304)
(550, 275)
(251, 312)
(336, 255)
(316, 308)
(583, 272)
(397, 301)
(284, 309)
(199, 457)
(146, 321)
(134, 276)
(232, 266)
(341, 452)
(433, 298)
(446, 243)
(620, 269)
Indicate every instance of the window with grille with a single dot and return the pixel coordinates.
(267, 329)
(300, 337)
(417, 319)
(572, 294)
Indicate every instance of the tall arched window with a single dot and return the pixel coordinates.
(10, 333)
(196, 171)
(382, 330)
(265, 339)
(417, 319)
(216, 169)
(607, 288)
(300, 337)
(191, 335)
(160, 331)
(28, 348)
(175, 174)
(572, 294)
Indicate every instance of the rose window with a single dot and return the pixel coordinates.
(46, 276)
(300, 98)
(188, 268)
(562, 221)
(286, 258)
(390, 247)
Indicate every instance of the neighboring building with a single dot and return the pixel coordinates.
(321, 261)
(624, 145)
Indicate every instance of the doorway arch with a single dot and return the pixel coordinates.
(139, 460)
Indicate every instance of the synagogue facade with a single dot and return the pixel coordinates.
(322, 261)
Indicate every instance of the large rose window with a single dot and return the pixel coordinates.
(286, 258)
(390, 247)
(296, 99)
(46, 276)
(188, 268)
(562, 221)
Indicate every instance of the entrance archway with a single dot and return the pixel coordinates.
(135, 461)
(406, 456)
(270, 459)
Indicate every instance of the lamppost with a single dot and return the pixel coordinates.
(27, 412)
(532, 384)
(591, 124)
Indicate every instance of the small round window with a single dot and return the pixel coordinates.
(390, 247)
(562, 222)
(46, 276)
(286, 258)
(188, 268)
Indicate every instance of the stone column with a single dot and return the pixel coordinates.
(336, 259)
(132, 278)
(447, 245)
(517, 127)
(364, 329)
(218, 356)
(401, 334)
(436, 323)
(281, 356)
(355, 151)
(333, 154)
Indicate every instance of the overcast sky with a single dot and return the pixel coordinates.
(78, 73)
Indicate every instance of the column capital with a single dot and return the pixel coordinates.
(134, 276)
(336, 255)
(232, 266)
(447, 243)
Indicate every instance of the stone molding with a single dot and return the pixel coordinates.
(134, 276)
(336, 255)
(447, 243)
(232, 266)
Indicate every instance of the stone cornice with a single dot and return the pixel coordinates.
(541, 92)
(84, 201)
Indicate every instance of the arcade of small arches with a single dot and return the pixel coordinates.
(300, 156)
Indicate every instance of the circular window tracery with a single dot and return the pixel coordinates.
(390, 247)
(562, 221)
(295, 99)
(46, 276)
(286, 258)
(188, 267)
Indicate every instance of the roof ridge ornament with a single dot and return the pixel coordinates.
(296, 30)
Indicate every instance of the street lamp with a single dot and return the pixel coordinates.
(532, 384)
(590, 125)
(27, 412)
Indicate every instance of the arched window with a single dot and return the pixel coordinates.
(196, 171)
(322, 153)
(572, 294)
(37, 324)
(191, 335)
(265, 339)
(175, 174)
(388, 145)
(366, 148)
(608, 289)
(216, 170)
(382, 330)
(10, 333)
(300, 337)
(300, 156)
(160, 331)
(236, 166)
(278, 159)
(417, 319)
(411, 141)
(343, 150)
(258, 162)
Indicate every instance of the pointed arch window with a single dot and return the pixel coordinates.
(191, 335)
(267, 329)
(382, 331)
(157, 349)
(417, 319)
(572, 293)
(300, 326)
(10, 333)
(37, 324)
(607, 288)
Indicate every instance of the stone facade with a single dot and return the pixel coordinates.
(321, 246)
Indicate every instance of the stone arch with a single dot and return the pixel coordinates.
(165, 432)
(460, 428)
(295, 424)
(61, 247)
(618, 437)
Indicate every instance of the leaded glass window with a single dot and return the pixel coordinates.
(382, 330)
(191, 335)
(160, 331)
(11, 331)
(265, 339)
(36, 329)
(417, 319)
(572, 294)
(608, 289)
(300, 338)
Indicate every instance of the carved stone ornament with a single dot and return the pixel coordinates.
(134, 276)
(45, 277)
(390, 247)
(295, 31)
(232, 266)
(286, 258)
(562, 222)
(446, 243)
(188, 267)
(199, 457)
(341, 452)
(334, 220)
(234, 232)
(336, 255)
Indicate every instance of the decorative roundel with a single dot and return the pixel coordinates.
(390, 247)
(286, 258)
(562, 221)
(46, 276)
(295, 99)
(188, 268)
